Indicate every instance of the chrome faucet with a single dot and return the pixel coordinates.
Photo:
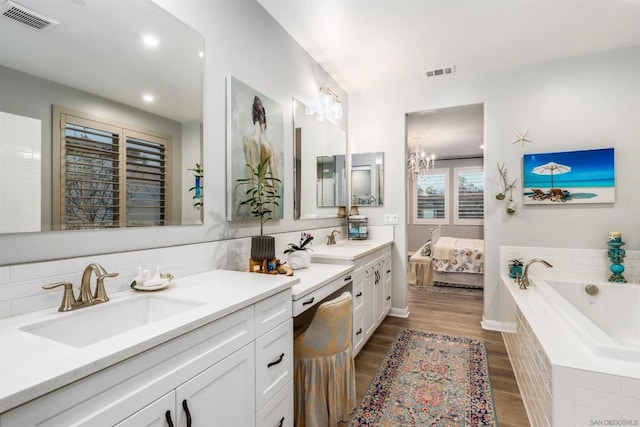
(523, 282)
(85, 298)
(331, 238)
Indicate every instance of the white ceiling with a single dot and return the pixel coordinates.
(365, 44)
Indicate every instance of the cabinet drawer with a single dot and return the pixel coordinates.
(274, 362)
(310, 300)
(154, 415)
(358, 333)
(358, 297)
(277, 412)
(272, 311)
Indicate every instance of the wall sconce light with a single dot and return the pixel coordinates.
(327, 107)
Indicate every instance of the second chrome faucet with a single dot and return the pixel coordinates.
(85, 298)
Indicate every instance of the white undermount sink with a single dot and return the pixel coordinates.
(89, 325)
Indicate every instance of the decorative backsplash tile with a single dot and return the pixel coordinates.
(21, 285)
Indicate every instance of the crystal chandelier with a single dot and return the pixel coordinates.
(420, 161)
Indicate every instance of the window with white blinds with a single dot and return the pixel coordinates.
(107, 176)
(469, 196)
(431, 201)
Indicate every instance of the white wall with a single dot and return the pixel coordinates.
(241, 39)
(568, 104)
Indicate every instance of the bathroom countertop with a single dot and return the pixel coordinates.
(31, 366)
(348, 250)
(316, 276)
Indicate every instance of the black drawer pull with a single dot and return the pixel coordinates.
(167, 415)
(281, 423)
(309, 302)
(186, 411)
(389, 297)
(388, 271)
(270, 364)
(347, 278)
(359, 331)
(359, 294)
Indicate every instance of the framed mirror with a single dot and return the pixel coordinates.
(101, 119)
(319, 166)
(367, 179)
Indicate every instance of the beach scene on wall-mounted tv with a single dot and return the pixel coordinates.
(569, 177)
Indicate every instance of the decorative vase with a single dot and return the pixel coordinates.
(515, 271)
(616, 255)
(263, 247)
(299, 259)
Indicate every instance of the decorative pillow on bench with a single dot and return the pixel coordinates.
(426, 249)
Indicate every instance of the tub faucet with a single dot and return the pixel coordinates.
(331, 238)
(524, 282)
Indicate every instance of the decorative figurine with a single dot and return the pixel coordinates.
(616, 254)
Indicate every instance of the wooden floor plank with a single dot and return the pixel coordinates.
(451, 314)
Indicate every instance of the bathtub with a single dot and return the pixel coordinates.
(576, 357)
(608, 322)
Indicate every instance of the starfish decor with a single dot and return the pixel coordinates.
(521, 138)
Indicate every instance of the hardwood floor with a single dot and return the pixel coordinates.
(452, 314)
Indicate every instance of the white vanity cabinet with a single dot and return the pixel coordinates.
(234, 371)
(371, 287)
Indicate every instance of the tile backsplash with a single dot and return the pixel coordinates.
(572, 264)
(21, 285)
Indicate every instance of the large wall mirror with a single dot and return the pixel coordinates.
(100, 116)
(367, 179)
(319, 172)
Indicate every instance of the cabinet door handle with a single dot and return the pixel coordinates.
(309, 302)
(359, 294)
(388, 271)
(281, 423)
(347, 278)
(186, 411)
(389, 297)
(270, 364)
(167, 415)
(359, 331)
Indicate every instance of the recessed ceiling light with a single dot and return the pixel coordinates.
(482, 147)
(201, 54)
(148, 97)
(150, 40)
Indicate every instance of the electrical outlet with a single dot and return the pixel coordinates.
(391, 219)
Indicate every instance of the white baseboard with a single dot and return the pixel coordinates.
(496, 325)
(399, 312)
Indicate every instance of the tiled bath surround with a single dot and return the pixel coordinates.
(21, 285)
(565, 394)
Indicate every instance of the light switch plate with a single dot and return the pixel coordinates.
(391, 219)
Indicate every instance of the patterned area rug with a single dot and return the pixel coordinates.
(429, 379)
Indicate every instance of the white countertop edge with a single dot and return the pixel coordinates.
(349, 250)
(316, 276)
(54, 374)
(559, 341)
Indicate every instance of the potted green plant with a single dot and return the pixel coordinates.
(262, 198)
(298, 257)
(515, 268)
(198, 173)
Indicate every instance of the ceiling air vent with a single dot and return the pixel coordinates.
(440, 71)
(27, 17)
